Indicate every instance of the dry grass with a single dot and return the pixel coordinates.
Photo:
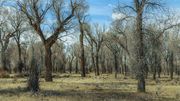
(67, 87)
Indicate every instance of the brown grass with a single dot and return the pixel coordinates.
(67, 87)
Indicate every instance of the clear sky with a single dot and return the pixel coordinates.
(100, 11)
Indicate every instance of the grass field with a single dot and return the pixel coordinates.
(72, 87)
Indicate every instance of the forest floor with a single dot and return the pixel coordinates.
(72, 87)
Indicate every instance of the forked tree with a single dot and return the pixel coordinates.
(39, 13)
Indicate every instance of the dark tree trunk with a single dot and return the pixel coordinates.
(154, 73)
(116, 64)
(48, 64)
(82, 59)
(92, 58)
(3, 56)
(171, 65)
(141, 84)
(20, 63)
(155, 65)
(63, 68)
(70, 67)
(76, 66)
(3, 60)
(159, 70)
(97, 64)
(140, 50)
(146, 71)
(103, 64)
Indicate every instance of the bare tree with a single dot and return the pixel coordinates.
(97, 38)
(62, 22)
(81, 17)
(8, 27)
(17, 36)
(140, 9)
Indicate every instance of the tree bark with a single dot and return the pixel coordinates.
(3, 60)
(76, 66)
(115, 64)
(48, 63)
(97, 64)
(82, 59)
(20, 63)
(92, 58)
(3, 55)
(171, 65)
(140, 50)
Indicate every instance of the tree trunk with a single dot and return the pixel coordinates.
(140, 52)
(171, 65)
(70, 67)
(20, 63)
(3, 59)
(103, 68)
(82, 59)
(48, 64)
(115, 64)
(76, 66)
(92, 58)
(3, 56)
(97, 64)
(154, 73)
(141, 84)
(159, 70)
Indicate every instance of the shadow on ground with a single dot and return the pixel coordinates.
(75, 95)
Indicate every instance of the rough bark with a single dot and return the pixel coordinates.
(48, 64)
(97, 64)
(82, 58)
(140, 45)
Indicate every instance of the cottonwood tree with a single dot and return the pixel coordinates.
(17, 37)
(119, 28)
(37, 12)
(81, 17)
(115, 49)
(91, 43)
(59, 58)
(97, 38)
(9, 25)
(76, 49)
(70, 57)
(140, 9)
(164, 23)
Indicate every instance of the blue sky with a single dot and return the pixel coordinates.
(100, 11)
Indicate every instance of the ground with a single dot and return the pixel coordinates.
(72, 87)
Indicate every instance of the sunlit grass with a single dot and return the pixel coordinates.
(72, 87)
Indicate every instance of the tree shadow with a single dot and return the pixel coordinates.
(98, 95)
(92, 95)
(13, 91)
